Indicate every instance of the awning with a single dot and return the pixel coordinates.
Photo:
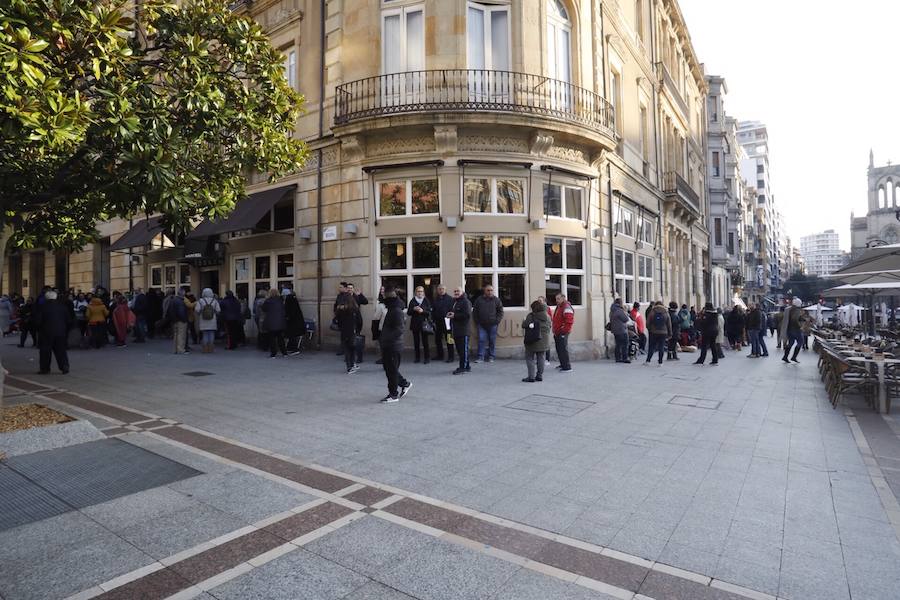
(246, 213)
(141, 234)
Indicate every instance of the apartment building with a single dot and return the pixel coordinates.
(822, 253)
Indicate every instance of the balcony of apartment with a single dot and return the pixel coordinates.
(671, 86)
(679, 193)
(473, 96)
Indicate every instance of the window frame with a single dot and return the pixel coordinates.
(495, 270)
(644, 282)
(409, 271)
(565, 271)
(645, 226)
(290, 67)
(487, 34)
(403, 11)
(628, 281)
(492, 183)
(617, 212)
(716, 164)
(273, 279)
(408, 183)
(180, 281)
(562, 200)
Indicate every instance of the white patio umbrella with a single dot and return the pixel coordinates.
(883, 288)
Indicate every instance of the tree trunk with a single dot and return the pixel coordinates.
(5, 234)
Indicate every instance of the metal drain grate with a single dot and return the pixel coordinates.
(42, 484)
(549, 405)
(198, 373)
(695, 402)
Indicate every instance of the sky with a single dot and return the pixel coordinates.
(821, 75)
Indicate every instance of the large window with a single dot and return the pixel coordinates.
(170, 277)
(402, 197)
(498, 260)
(559, 32)
(645, 279)
(716, 167)
(623, 220)
(403, 53)
(494, 195)
(563, 201)
(647, 231)
(261, 271)
(615, 89)
(407, 262)
(488, 37)
(623, 265)
(564, 269)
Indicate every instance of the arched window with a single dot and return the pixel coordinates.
(559, 34)
(896, 195)
(881, 197)
(889, 193)
(889, 235)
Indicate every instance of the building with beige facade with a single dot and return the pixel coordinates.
(540, 146)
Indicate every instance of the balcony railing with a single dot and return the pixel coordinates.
(675, 186)
(472, 90)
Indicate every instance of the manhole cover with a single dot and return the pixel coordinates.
(198, 373)
(550, 405)
(695, 402)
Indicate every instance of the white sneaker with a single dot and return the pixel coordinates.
(405, 389)
(390, 399)
(352, 369)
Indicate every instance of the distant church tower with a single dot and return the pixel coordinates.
(880, 225)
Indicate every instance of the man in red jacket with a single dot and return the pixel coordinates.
(563, 319)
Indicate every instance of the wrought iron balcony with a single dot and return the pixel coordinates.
(676, 188)
(472, 90)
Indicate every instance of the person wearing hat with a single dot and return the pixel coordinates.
(52, 324)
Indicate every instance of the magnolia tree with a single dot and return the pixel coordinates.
(104, 113)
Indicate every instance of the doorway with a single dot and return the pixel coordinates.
(210, 279)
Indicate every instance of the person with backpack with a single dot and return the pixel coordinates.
(536, 329)
(207, 309)
(563, 320)
(677, 321)
(177, 315)
(659, 326)
(390, 338)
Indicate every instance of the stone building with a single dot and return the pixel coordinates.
(881, 225)
(539, 146)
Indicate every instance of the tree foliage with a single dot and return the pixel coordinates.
(104, 112)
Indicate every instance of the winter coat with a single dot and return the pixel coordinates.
(638, 318)
(676, 321)
(662, 328)
(418, 318)
(391, 335)
(791, 322)
(295, 324)
(96, 313)
(189, 306)
(123, 318)
(541, 320)
(141, 306)
(686, 320)
(231, 308)
(439, 309)
(207, 324)
(618, 320)
(708, 324)
(349, 317)
(176, 310)
(487, 311)
(462, 314)
(753, 320)
(736, 323)
(273, 309)
(563, 319)
(78, 307)
(53, 320)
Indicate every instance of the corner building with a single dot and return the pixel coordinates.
(536, 145)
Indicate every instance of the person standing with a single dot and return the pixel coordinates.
(53, 323)
(26, 316)
(659, 328)
(231, 314)
(460, 315)
(640, 326)
(346, 314)
(390, 338)
(259, 317)
(618, 326)
(488, 312)
(140, 308)
(80, 306)
(274, 323)
(763, 324)
(737, 323)
(96, 314)
(720, 338)
(753, 326)
(563, 320)
(123, 320)
(536, 329)
(709, 330)
(206, 310)
(792, 330)
(675, 319)
(439, 309)
(177, 315)
(419, 311)
(295, 324)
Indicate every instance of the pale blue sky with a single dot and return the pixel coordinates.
(823, 77)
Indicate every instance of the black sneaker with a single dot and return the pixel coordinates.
(795, 360)
(389, 399)
(568, 370)
(538, 378)
(460, 371)
(527, 380)
(404, 389)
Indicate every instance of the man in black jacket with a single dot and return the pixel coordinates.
(391, 341)
(440, 308)
(709, 328)
(53, 322)
(460, 315)
(488, 312)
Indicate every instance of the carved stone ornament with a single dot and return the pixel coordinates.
(387, 146)
(445, 139)
(492, 143)
(540, 142)
(353, 148)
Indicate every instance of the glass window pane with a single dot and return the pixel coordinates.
(628, 219)
(399, 282)
(184, 274)
(285, 265)
(499, 40)
(393, 254)
(620, 262)
(553, 254)
(511, 251)
(170, 275)
(510, 196)
(156, 277)
(424, 196)
(261, 286)
(573, 203)
(241, 269)
(553, 287)
(475, 282)
(393, 198)
(286, 284)
(390, 49)
(263, 267)
(476, 195)
(429, 282)
(574, 254)
(629, 263)
(426, 253)
(415, 41)
(511, 288)
(552, 206)
(620, 286)
(574, 288)
(242, 291)
(475, 34)
(479, 251)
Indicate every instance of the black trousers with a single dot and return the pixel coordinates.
(420, 343)
(23, 335)
(440, 340)
(56, 346)
(673, 347)
(621, 347)
(348, 344)
(709, 343)
(462, 350)
(98, 335)
(234, 330)
(657, 344)
(562, 350)
(276, 343)
(390, 360)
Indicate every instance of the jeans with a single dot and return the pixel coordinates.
(793, 337)
(709, 343)
(534, 362)
(754, 342)
(56, 345)
(140, 329)
(621, 347)
(390, 360)
(420, 342)
(462, 350)
(487, 336)
(562, 350)
(657, 344)
(209, 336)
(179, 331)
(762, 342)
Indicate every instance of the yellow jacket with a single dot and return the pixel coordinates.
(96, 312)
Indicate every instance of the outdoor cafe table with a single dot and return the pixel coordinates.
(880, 369)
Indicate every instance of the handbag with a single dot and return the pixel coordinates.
(335, 326)
(428, 326)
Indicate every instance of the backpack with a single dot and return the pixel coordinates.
(676, 320)
(659, 319)
(207, 313)
(532, 330)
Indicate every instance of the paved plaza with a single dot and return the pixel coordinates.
(614, 481)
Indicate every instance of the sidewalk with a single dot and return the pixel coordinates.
(672, 482)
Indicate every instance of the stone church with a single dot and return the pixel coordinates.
(881, 225)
